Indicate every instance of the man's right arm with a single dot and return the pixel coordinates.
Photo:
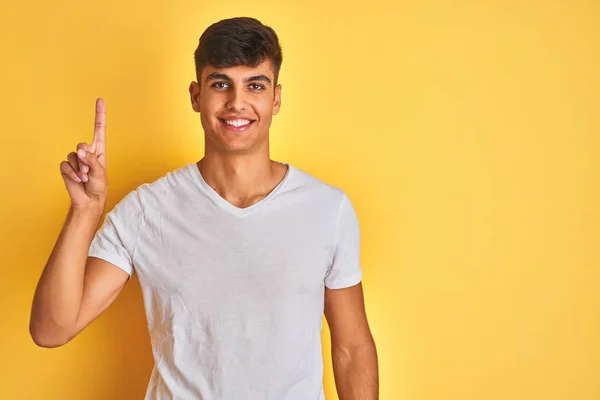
(74, 289)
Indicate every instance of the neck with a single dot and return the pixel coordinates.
(242, 180)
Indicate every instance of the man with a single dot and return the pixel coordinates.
(238, 256)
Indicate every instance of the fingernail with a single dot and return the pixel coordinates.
(78, 180)
(81, 152)
(84, 178)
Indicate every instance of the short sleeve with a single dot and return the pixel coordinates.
(345, 269)
(116, 239)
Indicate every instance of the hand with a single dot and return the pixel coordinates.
(84, 172)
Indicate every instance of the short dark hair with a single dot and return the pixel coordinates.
(238, 41)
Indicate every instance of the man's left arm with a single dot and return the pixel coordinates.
(353, 350)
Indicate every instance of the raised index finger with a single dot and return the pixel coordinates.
(99, 142)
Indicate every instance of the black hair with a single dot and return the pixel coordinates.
(238, 41)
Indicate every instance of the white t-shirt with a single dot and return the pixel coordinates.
(234, 296)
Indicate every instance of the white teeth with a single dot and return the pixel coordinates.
(237, 122)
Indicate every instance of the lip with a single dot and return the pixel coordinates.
(231, 117)
(236, 128)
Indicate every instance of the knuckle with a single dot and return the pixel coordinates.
(66, 169)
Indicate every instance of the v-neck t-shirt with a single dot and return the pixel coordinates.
(234, 296)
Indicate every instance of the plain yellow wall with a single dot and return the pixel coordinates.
(465, 132)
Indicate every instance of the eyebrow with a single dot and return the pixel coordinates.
(254, 78)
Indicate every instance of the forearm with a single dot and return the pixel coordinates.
(59, 292)
(356, 372)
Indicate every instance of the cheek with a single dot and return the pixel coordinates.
(265, 110)
(208, 111)
(210, 102)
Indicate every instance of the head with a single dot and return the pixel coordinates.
(237, 69)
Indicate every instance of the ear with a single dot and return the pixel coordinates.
(195, 96)
(277, 100)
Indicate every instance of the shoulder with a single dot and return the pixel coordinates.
(160, 190)
(315, 189)
(174, 180)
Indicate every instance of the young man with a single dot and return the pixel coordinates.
(238, 256)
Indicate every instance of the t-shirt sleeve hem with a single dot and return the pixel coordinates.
(346, 282)
(116, 261)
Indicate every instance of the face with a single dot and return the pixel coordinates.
(236, 106)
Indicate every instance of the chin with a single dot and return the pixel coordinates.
(237, 145)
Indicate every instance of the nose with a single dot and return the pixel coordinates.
(236, 100)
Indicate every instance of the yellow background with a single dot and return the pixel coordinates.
(465, 132)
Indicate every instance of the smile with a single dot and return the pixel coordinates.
(237, 124)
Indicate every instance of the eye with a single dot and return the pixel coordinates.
(216, 85)
(256, 86)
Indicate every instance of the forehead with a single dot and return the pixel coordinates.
(240, 72)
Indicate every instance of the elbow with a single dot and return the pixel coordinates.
(47, 338)
(359, 350)
(46, 343)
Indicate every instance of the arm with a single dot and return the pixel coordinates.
(74, 289)
(354, 354)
